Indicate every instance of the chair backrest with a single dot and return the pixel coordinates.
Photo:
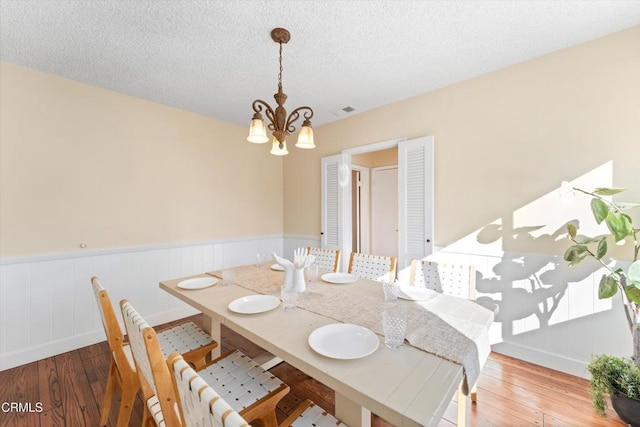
(327, 259)
(447, 278)
(115, 337)
(153, 372)
(374, 267)
(201, 405)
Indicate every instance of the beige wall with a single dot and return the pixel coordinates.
(80, 164)
(502, 140)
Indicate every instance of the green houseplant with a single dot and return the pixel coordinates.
(613, 375)
(610, 374)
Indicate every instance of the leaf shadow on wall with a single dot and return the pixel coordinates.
(527, 285)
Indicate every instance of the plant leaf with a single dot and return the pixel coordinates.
(634, 273)
(584, 240)
(633, 293)
(602, 249)
(608, 191)
(600, 210)
(620, 225)
(572, 230)
(575, 253)
(608, 287)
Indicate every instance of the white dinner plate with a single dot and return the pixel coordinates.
(277, 267)
(343, 341)
(198, 283)
(339, 278)
(416, 294)
(254, 304)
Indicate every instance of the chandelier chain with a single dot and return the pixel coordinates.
(280, 73)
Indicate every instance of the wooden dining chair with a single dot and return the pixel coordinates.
(327, 259)
(374, 267)
(202, 406)
(445, 278)
(185, 338)
(250, 390)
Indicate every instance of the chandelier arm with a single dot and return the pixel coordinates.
(268, 111)
(295, 115)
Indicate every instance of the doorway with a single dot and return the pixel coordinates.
(360, 208)
(384, 211)
(415, 197)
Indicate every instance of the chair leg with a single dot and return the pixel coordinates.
(269, 420)
(108, 393)
(147, 419)
(128, 399)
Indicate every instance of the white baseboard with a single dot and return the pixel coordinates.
(548, 360)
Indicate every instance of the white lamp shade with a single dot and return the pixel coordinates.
(276, 150)
(305, 138)
(257, 132)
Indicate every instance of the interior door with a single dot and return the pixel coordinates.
(335, 205)
(415, 199)
(384, 211)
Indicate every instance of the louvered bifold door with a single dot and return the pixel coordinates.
(335, 232)
(415, 200)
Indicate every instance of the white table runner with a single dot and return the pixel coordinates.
(446, 326)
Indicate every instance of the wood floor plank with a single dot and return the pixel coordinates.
(489, 404)
(97, 368)
(50, 394)
(533, 398)
(93, 350)
(535, 379)
(52, 418)
(20, 386)
(80, 408)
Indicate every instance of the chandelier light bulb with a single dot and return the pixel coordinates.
(276, 150)
(257, 130)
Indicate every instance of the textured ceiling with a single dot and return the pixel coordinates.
(216, 57)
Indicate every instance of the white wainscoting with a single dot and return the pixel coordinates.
(549, 313)
(47, 305)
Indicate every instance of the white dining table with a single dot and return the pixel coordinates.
(406, 386)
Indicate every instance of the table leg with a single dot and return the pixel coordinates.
(462, 408)
(351, 413)
(212, 327)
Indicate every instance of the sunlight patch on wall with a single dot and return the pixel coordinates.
(520, 266)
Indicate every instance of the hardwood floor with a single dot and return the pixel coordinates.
(70, 387)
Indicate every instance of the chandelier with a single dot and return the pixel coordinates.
(281, 125)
